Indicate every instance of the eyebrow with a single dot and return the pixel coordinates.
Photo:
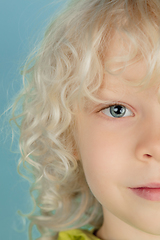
(112, 90)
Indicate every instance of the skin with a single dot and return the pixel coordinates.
(118, 153)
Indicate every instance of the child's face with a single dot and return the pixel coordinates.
(121, 150)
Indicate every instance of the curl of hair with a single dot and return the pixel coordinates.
(64, 73)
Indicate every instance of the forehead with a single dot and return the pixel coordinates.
(122, 53)
(125, 60)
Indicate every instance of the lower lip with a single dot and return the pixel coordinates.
(152, 194)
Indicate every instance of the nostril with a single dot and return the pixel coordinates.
(148, 155)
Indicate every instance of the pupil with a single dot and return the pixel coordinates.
(117, 110)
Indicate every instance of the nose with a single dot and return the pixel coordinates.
(148, 144)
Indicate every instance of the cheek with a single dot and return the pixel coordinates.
(107, 154)
(102, 158)
(101, 148)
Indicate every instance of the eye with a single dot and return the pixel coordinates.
(117, 111)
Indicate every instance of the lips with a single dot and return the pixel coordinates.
(150, 191)
(149, 185)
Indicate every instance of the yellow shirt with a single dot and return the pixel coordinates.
(77, 234)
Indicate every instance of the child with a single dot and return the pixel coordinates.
(90, 123)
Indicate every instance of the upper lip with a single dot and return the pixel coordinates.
(149, 185)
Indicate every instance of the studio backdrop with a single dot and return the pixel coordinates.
(22, 24)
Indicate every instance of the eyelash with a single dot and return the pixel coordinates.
(109, 110)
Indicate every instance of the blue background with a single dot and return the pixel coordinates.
(22, 22)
